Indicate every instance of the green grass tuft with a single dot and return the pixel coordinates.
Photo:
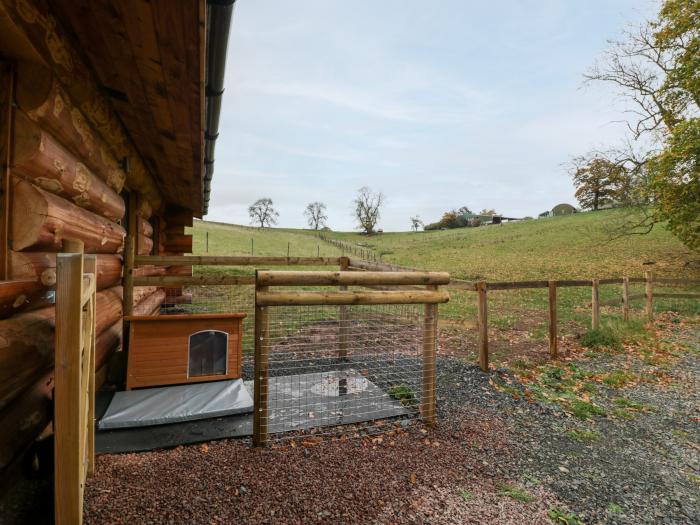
(402, 393)
(563, 517)
(585, 410)
(516, 493)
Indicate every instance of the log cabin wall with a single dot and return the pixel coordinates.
(95, 99)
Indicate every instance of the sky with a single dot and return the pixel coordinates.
(435, 104)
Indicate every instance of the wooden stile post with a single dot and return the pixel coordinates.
(343, 317)
(626, 298)
(261, 380)
(553, 345)
(595, 304)
(483, 327)
(430, 337)
(90, 266)
(649, 295)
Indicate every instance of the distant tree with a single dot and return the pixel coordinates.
(599, 181)
(488, 212)
(368, 208)
(263, 213)
(464, 210)
(416, 223)
(315, 213)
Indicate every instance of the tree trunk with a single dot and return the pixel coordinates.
(40, 96)
(37, 156)
(42, 220)
(41, 267)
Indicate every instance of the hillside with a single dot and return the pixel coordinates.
(576, 246)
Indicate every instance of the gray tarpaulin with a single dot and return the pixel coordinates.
(174, 404)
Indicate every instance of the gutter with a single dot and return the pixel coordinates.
(219, 14)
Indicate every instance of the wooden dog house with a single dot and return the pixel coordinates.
(190, 348)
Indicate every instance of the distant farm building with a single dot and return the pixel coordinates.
(563, 209)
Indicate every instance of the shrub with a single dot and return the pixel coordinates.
(602, 338)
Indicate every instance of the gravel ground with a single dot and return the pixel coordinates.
(640, 470)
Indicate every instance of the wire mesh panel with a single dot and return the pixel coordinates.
(330, 366)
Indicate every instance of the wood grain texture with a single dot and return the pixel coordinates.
(158, 352)
(41, 220)
(38, 157)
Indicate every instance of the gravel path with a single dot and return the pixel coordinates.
(488, 443)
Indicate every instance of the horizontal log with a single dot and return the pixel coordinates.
(665, 295)
(38, 157)
(41, 221)
(41, 267)
(144, 227)
(150, 304)
(145, 271)
(144, 208)
(179, 270)
(205, 280)
(677, 282)
(574, 283)
(144, 244)
(22, 421)
(178, 244)
(21, 294)
(45, 102)
(637, 280)
(350, 298)
(108, 305)
(516, 285)
(142, 291)
(108, 342)
(271, 278)
(235, 260)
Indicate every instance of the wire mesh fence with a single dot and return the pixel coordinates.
(332, 366)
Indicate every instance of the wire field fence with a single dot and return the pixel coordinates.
(337, 365)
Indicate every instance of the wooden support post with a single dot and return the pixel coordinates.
(483, 327)
(553, 345)
(649, 295)
(261, 379)
(206, 249)
(343, 318)
(626, 298)
(430, 337)
(128, 279)
(68, 480)
(595, 304)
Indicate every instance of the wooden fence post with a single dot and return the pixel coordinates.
(128, 280)
(343, 318)
(483, 327)
(68, 480)
(626, 298)
(206, 249)
(261, 380)
(553, 346)
(649, 295)
(430, 337)
(595, 304)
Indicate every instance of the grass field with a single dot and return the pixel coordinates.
(573, 247)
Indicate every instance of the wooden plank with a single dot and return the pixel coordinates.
(315, 278)
(677, 282)
(348, 298)
(482, 323)
(553, 343)
(90, 267)
(595, 305)
(233, 260)
(430, 328)
(261, 379)
(202, 280)
(516, 285)
(649, 295)
(677, 295)
(68, 481)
